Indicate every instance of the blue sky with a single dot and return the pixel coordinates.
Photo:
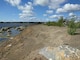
(37, 10)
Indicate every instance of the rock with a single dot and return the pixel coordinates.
(11, 38)
(8, 35)
(8, 30)
(64, 52)
(9, 45)
(50, 58)
(20, 28)
(5, 29)
(1, 30)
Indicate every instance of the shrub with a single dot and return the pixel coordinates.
(71, 24)
(72, 27)
(78, 25)
(60, 22)
(71, 31)
(51, 23)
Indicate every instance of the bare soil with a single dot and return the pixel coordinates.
(25, 45)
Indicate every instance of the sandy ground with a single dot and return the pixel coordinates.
(33, 38)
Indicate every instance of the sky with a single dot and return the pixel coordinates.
(38, 10)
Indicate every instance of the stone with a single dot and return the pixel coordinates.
(63, 52)
(9, 45)
(20, 28)
(1, 30)
(50, 59)
(11, 38)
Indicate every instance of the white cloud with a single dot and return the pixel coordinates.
(71, 14)
(49, 11)
(41, 2)
(27, 6)
(69, 8)
(44, 14)
(14, 2)
(52, 4)
(55, 3)
(27, 11)
(55, 16)
(59, 10)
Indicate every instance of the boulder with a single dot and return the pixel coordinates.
(1, 30)
(20, 28)
(8, 30)
(64, 52)
(5, 29)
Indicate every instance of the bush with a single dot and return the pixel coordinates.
(78, 25)
(60, 22)
(51, 23)
(72, 27)
(71, 24)
(71, 31)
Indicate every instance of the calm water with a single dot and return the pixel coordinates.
(14, 32)
(12, 24)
